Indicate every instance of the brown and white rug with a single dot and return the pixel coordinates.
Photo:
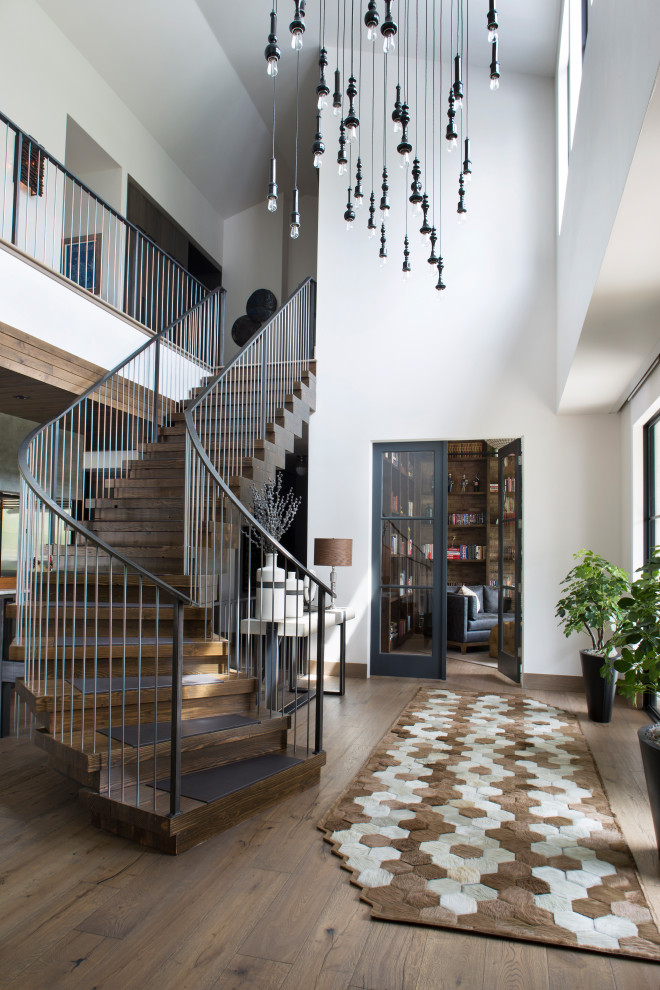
(487, 814)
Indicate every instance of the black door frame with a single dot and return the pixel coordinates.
(507, 664)
(412, 664)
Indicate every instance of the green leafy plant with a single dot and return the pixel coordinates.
(638, 633)
(592, 599)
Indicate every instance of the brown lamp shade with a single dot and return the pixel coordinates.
(333, 553)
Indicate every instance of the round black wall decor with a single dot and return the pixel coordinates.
(261, 305)
(243, 329)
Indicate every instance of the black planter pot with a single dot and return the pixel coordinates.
(600, 692)
(651, 760)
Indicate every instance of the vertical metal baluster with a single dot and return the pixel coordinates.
(156, 672)
(139, 696)
(177, 672)
(110, 657)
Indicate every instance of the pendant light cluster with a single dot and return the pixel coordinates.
(416, 43)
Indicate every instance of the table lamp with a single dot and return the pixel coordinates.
(333, 553)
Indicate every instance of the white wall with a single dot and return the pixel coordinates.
(620, 66)
(253, 242)
(44, 307)
(398, 363)
(61, 81)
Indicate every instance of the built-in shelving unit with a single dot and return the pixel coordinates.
(468, 507)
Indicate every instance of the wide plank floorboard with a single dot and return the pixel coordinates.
(266, 905)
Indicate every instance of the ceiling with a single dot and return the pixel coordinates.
(193, 73)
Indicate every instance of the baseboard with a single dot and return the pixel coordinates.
(552, 682)
(358, 670)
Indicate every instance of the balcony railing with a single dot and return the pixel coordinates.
(59, 221)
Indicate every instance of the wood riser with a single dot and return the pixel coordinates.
(189, 828)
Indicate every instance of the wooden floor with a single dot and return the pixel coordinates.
(267, 905)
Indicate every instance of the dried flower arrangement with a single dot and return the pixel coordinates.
(274, 509)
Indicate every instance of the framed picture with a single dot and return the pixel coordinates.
(82, 261)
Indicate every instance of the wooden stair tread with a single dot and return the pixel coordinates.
(216, 783)
(189, 727)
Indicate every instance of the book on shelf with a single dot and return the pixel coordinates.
(465, 448)
(494, 488)
(467, 518)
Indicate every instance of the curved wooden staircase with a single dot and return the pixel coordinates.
(139, 682)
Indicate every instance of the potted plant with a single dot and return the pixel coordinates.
(638, 638)
(592, 602)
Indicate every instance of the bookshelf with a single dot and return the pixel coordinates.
(407, 523)
(468, 512)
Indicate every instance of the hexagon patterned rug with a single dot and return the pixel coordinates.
(487, 814)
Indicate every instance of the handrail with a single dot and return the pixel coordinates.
(64, 465)
(60, 221)
(225, 423)
(88, 535)
(24, 469)
(158, 337)
(197, 443)
(90, 192)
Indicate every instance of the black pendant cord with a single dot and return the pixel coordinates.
(336, 96)
(358, 193)
(295, 209)
(440, 285)
(432, 259)
(371, 223)
(425, 229)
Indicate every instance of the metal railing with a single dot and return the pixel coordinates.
(269, 631)
(102, 635)
(59, 221)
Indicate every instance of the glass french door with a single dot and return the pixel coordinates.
(509, 660)
(408, 560)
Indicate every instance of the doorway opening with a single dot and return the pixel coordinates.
(447, 557)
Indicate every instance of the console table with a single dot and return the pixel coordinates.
(300, 628)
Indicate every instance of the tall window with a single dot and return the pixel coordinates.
(651, 485)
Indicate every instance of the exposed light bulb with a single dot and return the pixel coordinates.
(272, 204)
(336, 110)
(383, 261)
(372, 32)
(405, 160)
(351, 132)
(358, 200)
(389, 44)
(417, 211)
(296, 44)
(272, 67)
(451, 143)
(322, 102)
(406, 275)
(492, 36)
(397, 127)
(371, 233)
(295, 231)
(318, 160)
(495, 83)
(459, 102)
(349, 225)
(341, 169)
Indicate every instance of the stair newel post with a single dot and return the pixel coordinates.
(320, 656)
(177, 689)
(18, 155)
(156, 393)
